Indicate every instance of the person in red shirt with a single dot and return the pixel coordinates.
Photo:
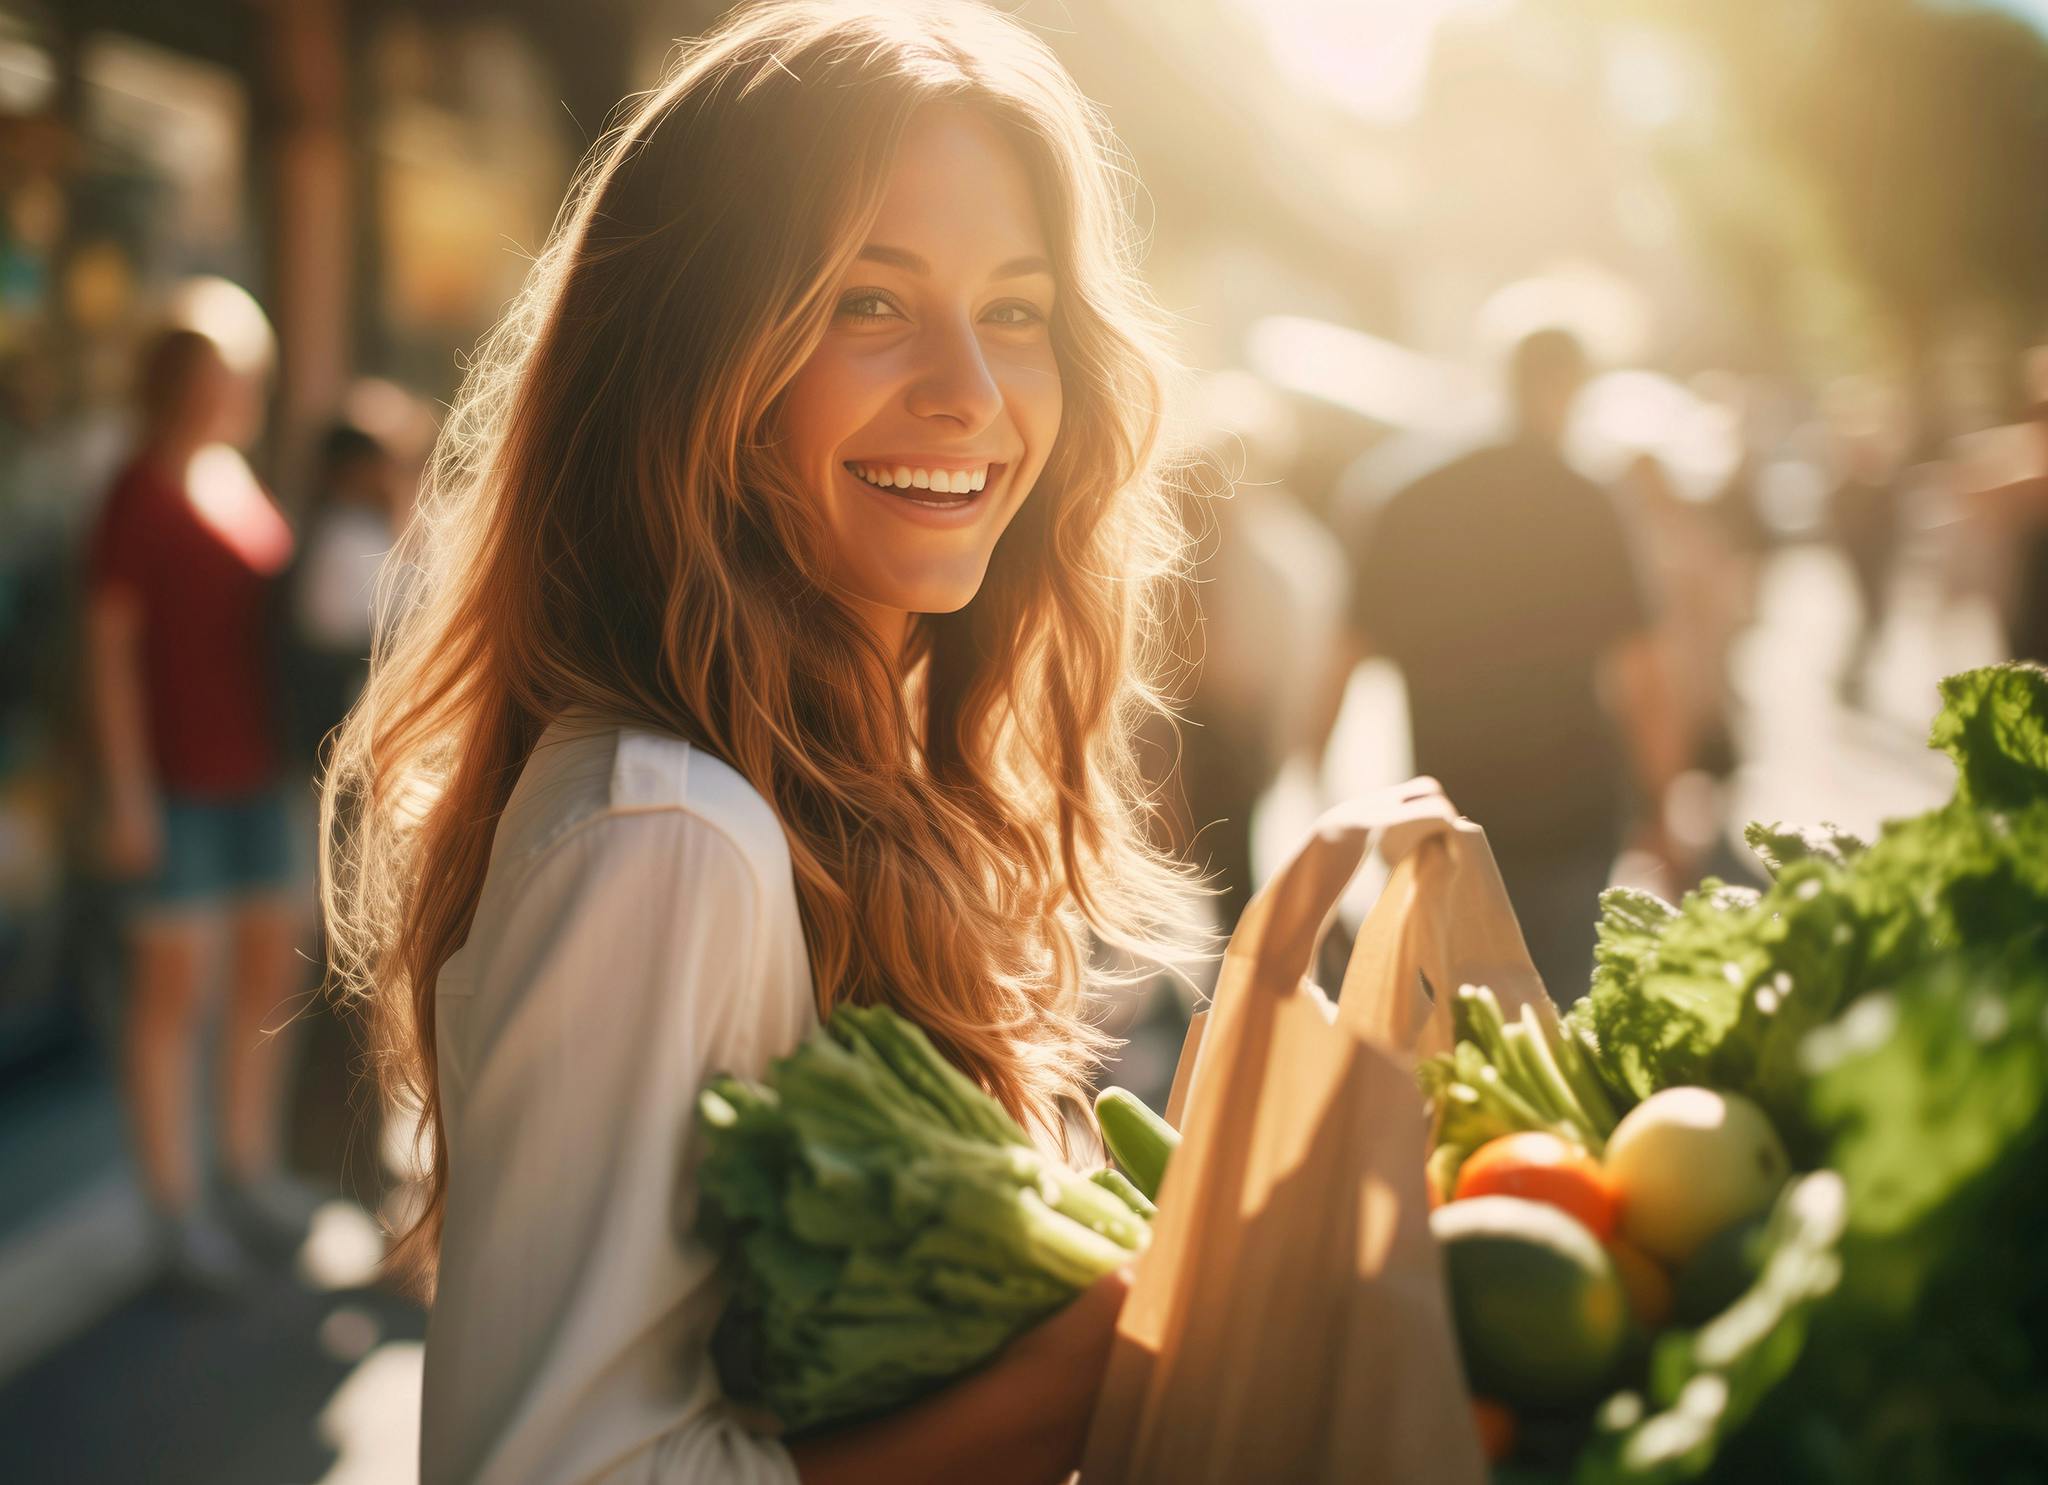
(181, 567)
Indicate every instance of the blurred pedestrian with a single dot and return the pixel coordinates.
(180, 567)
(2029, 631)
(1863, 513)
(2019, 510)
(1704, 585)
(358, 500)
(1269, 585)
(1504, 587)
(352, 518)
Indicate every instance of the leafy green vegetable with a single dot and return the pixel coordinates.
(1667, 984)
(1994, 723)
(887, 1225)
(1705, 1383)
(1929, 1364)
(1926, 1088)
(1723, 988)
(1778, 846)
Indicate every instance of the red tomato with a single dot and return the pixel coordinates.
(1542, 1167)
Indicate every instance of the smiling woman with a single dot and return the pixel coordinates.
(936, 382)
(774, 635)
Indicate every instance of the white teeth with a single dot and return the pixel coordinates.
(940, 481)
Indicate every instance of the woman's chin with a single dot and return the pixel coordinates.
(938, 593)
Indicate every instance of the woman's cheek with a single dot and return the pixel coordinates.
(1037, 401)
(830, 401)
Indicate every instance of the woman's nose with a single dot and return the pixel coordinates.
(954, 380)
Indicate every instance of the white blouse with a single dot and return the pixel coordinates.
(637, 932)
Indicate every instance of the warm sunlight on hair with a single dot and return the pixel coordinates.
(637, 507)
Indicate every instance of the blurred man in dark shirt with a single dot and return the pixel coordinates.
(1503, 587)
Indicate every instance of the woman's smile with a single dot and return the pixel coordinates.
(931, 496)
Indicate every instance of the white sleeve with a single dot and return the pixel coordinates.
(568, 1343)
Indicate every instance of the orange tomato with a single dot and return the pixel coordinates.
(1542, 1167)
(1644, 1281)
(1496, 1429)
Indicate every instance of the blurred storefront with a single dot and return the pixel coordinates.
(124, 167)
(377, 176)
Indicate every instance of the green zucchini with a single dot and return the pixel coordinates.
(1114, 1181)
(1139, 1140)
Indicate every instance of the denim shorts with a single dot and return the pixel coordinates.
(215, 850)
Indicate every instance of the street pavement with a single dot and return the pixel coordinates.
(310, 1377)
(287, 1385)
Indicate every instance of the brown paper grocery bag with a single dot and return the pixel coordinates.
(1289, 1321)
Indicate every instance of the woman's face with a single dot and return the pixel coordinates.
(923, 418)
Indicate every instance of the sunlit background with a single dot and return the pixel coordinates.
(1804, 241)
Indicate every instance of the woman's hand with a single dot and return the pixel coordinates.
(1020, 1420)
(1063, 1359)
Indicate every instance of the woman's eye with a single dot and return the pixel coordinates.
(866, 306)
(1016, 313)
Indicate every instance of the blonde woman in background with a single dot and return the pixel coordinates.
(783, 600)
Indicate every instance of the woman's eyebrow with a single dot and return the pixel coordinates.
(910, 262)
(1022, 267)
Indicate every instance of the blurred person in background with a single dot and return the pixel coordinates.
(360, 497)
(1704, 582)
(1504, 587)
(1864, 513)
(357, 508)
(1271, 589)
(1262, 622)
(2018, 510)
(184, 697)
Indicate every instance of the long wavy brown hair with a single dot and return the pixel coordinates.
(608, 524)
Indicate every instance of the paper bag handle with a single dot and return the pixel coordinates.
(1275, 943)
